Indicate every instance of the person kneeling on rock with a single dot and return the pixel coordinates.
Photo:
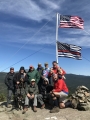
(32, 95)
(59, 92)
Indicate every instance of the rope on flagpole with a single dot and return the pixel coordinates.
(41, 48)
(86, 59)
(25, 57)
(29, 39)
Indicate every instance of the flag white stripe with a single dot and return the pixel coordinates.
(75, 47)
(60, 54)
(63, 22)
(69, 50)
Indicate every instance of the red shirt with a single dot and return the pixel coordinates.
(63, 72)
(55, 70)
(60, 85)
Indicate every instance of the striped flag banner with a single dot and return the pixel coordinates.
(68, 21)
(69, 50)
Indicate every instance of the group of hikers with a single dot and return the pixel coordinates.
(37, 86)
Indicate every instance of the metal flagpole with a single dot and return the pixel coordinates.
(56, 37)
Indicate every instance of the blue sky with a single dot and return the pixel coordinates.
(28, 26)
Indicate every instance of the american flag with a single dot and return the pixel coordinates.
(69, 50)
(68, 21)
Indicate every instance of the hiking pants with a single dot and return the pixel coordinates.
(9, 95)
(62, 97)
(40, 99)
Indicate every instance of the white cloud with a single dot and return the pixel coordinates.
(34, 47)
(80, 37)
(46, 36)
(50, 4)
(30, 9)
(80, 41)
(35, 40)
(76, 36)
(28, 35)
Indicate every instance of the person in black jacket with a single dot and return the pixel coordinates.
(20, 82)
(10, 86)
(45, 89)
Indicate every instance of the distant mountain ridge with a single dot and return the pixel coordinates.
(72, 81)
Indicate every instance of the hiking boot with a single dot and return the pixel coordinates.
(34, 109)
(54, 110)
(24, 110)
(9, 106)
(17, 109)
(43, 106)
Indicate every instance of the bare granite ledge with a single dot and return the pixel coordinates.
(63, 114)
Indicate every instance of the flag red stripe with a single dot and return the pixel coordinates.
(67, 51)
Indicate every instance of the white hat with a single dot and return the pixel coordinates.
(32, 80)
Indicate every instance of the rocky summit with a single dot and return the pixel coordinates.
(63, 114)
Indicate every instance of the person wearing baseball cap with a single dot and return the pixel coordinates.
(40, 71)
(32, 80)
(10, 86)
(12, 68)
(46, 70)
(31, 66)
(32, 93)
(33, 74)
